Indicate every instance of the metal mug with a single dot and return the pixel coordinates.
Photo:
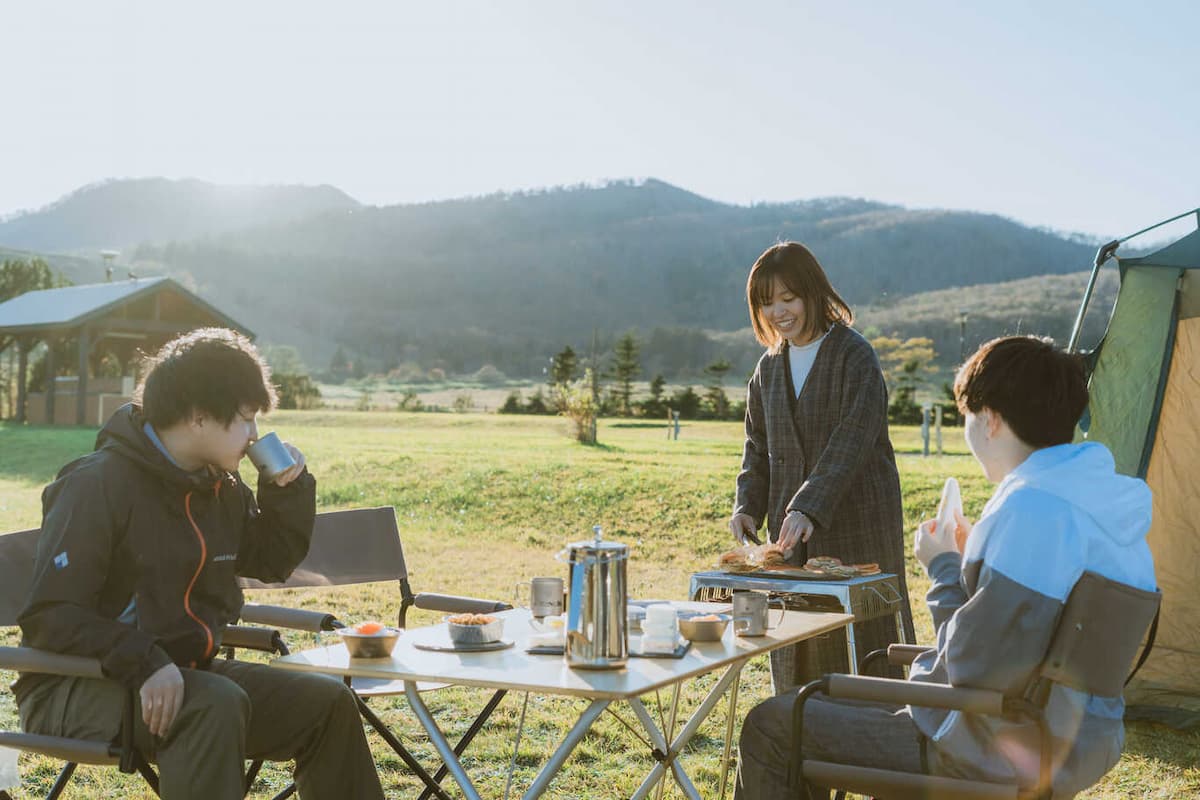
(750, 611)
(268, 454)
(545, 596)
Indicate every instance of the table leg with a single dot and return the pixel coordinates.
(668, 755)
(733, 697)
(444, 748)
(573, 737)
(851, 649)
(670, 733)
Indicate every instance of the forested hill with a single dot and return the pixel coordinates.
(117, 214)
(506, 278)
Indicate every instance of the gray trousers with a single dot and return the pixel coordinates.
(231, 712)
(841, 731)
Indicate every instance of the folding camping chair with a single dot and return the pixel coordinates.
(1093, 646)
(17, 552)
(363, 546)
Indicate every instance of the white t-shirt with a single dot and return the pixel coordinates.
(802, 359)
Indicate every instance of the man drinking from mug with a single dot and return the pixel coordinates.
(141, 545)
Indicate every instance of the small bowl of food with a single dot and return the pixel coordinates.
(704, 627)
(369, 639)
(475, 628)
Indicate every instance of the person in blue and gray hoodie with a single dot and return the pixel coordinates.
(1059, 509)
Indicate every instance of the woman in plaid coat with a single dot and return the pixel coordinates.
(818, 465)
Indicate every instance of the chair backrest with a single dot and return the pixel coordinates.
(1099, 634)
(361, 545)
(357, 546)
(17, 551)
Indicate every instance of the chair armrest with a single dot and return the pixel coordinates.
(293, 618)
(30, 659)
(458, 605)
(44, 662)
(932, 695)
(79, 751)
(871, 782)
(246, 637)
(901, 655)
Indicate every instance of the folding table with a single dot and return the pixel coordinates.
(515, 670)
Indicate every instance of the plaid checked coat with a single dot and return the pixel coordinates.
(827, 453)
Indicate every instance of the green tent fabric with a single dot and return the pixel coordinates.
(1144, 389)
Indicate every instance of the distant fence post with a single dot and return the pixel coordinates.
(937, 426)
(672, 424)
(925, 429)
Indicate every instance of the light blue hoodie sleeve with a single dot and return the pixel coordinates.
(1018, 569)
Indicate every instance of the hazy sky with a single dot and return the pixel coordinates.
(1077, 116)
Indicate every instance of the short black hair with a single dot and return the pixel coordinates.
(1039, 390)
(216, 371)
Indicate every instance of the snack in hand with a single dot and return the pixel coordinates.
(471, 619)
(369, 628)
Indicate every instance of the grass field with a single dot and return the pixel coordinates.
(485, 500)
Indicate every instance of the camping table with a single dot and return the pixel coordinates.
(866, 598)
(515, 670)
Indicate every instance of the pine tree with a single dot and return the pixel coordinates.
(564, 367)
(626, 367)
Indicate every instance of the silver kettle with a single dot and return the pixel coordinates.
(596, 632)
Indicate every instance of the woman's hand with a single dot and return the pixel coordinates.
(741, 526)
(797, 527)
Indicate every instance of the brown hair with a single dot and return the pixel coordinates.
(798, 269)
(216, 371)
(1039, 390)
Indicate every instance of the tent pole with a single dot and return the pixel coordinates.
(1103, 254)
(1195, 211)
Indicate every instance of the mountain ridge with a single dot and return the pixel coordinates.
(509, 278)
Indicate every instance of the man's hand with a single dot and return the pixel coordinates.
(290, 474)
(962, 530)
(741, 526)
(162, 697)
(797, 527)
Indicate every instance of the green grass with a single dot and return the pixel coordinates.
(486, 500)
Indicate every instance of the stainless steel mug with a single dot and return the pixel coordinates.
(597, 626)
(750, 610)
(269, 455)
(545, 596)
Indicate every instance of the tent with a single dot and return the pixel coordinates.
(1144, 404)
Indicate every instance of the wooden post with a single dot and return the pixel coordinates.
(937, 426)
(81, 383)
(23, 345)
(676, 415)
(925, 430)
(51, 369)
